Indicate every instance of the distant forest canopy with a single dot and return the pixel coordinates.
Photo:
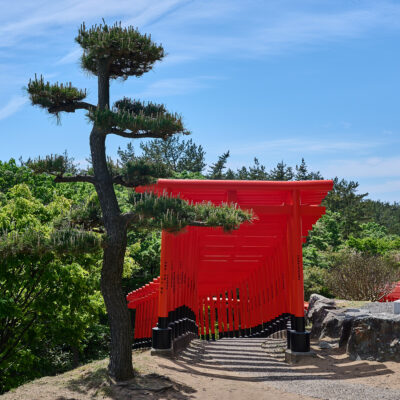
(52, 315)
(186, 160)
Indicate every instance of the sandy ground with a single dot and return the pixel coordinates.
(233, 369)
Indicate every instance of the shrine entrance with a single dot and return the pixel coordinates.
(248, 283)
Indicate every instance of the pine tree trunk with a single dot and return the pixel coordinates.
(120, 366)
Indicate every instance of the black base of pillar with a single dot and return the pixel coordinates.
(213, 336)
(162, 338)
(174, 330)
(299, 341)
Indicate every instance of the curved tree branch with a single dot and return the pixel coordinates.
(135, 135)
(119, 180)
(72, 107)
(130, 218)
(76, 178)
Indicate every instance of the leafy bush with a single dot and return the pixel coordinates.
(315, 281)
(361, 276)
(50, 303)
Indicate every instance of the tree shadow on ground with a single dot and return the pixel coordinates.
(141, 387)
(266, 364)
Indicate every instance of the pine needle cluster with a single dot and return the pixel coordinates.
(140, 172)
(61, 241)
(173, 213)
(160, 125)
(48, 95)
(129, 52)
(136, 107)
(52, 164)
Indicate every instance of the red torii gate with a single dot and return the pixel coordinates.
(245, 283)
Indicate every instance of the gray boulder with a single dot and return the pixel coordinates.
(370, 333)
(318, 308)
(375, 337)
(332, 324)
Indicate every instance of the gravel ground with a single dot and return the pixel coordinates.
(262, 360)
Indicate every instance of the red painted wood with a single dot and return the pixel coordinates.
(204, 268)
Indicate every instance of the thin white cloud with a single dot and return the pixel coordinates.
(265, 29)
(12, 106)
(303, 146)
(389, 186)
(176, 86)
(71, 57)
(372, 167)
(196, 29)
(49, 15)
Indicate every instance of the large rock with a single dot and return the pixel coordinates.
(370, 333)
(318, 308)
(330, 321)
(332, 324)
(375, 337)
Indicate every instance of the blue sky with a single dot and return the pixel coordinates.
(278, 80)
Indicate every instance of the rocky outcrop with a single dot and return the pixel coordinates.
(372, 332)
(375, 337)
(318, 308)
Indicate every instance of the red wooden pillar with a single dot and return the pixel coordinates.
(221, 311)
(162, 334)
(236, 311)
(299, 340)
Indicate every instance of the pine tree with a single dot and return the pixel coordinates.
(178, 155)
(230, 174)
(111, 52)
(127, 155)
(302, 173)
(343, 198)
(281, 173)
(217, 169)
(257, 172)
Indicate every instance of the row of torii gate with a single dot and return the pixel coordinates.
(248, 283)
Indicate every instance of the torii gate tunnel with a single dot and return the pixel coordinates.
(248, 283)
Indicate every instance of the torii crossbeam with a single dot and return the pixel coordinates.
(247, 283)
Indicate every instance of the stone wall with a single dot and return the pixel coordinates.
(371, 332)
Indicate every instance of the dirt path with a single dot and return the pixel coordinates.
(330, 375)
(212, 370)
(229, 369)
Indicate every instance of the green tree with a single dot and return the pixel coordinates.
(217, 169)
(179, 155)
(257, 172)
(385, 214)
(302, 173)
(127, 155)
(45, 275)
(242, 174)
(326, 233)
(373, 239)
(281, 173)
(111, 52)
(343, 198)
